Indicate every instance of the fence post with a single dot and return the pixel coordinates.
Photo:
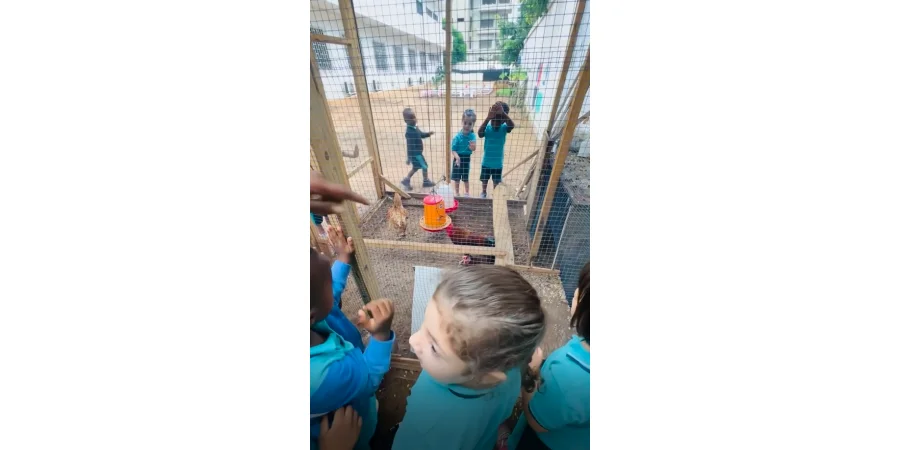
(560, 84)
(448, 43)
(323, 140)
(348, 19)
(581, 87)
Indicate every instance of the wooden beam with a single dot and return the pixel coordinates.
(437, 248)
(393, 186)
(448, 98)
(329, 39)
(348, 19)
(400, 362)
(372, 208)
(360, 166)
(581, 86)
(520, 163)
(324, 142)
(502, 230)
(532, 269)
(461, 200)
(528, 178)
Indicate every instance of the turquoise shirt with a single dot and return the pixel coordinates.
(451, 417)
(494, 140)
(562, 404)
(460, 143)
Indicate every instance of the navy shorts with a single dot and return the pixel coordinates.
(461, 172)
(495, 174)
(418, 162)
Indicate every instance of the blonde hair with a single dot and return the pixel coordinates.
(495, 319)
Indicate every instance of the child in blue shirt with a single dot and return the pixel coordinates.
(480, 329)
(415, 149)
(558, 414)
(462, 146)
(494, 130)
(343, 371)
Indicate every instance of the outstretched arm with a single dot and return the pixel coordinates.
(509, 123)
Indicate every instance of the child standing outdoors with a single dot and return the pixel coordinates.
(342, 371)
(481, 328)
(494, 130)
(414, 150)
(558, 414)
(462, 146)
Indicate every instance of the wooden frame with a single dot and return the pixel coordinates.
(359, 167)
(348, 19)
(502, 230)
(323, 140)
(448, 69)
(560, 84)
(437, 248)
(581, 86)
(328, 39)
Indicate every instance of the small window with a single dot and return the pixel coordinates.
(429, 12)
(487, 45)
(461, 19)
(423, 62)
(503, 2)
(487, 23)
(381, 58)
(412, 60)
(488, 2)
(398, 58)
(419, 7)
(323, 58)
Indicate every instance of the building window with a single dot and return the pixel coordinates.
(486, 45)
(503, 2)
(488, 2)
(321, 51)
(412, 60)
(423, 62)
(433, 57)
(419, 8)
(461, 19)
(487, 23)
(381, 58)
(398, 58)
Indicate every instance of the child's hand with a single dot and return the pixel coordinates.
(407, 161)
(344, 430)
(472, 145)
(536, 360)
(343, 246)
(327, 198)
(376, 318)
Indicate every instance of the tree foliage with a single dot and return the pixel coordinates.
(513, 34)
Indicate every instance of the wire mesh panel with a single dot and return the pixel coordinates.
(506, 60)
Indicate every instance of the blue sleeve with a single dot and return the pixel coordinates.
(557, 403)
(356, 375)
(339, 273)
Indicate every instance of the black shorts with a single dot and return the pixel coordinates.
(461, 172)
(495, 174)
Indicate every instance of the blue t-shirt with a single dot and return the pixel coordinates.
(460, 143)
(562, 403)
(494, 140)
(452, 417)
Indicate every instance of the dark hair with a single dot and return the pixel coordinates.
(581, 319)
(496, 320)
(406, 113)
(505, 107)
(318, 271)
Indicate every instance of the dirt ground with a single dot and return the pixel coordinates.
(576, 176)
(387, 109)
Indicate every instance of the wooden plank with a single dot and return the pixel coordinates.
(448, 99)
(329, 39)
(348, 20)
(360, 166)
(581, 87)
(372, 209)
(532, 269)
(502, 230)
(520, 163)
(400, 362)
(461, 200)
(324, 142)
(437, 248)
(385, 180)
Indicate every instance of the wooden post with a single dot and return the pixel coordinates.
(325, 146)
(502, 230)
(560, 84)
(448, 43)
(581, 86)
(348, 18)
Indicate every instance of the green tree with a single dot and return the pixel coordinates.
(513, 34)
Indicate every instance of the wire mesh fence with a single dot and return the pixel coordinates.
(486, 142)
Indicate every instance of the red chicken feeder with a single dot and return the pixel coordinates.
(452, 208)
(435, 217)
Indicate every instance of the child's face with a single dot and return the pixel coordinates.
(410, 118)
(468, 125)
(432, 346)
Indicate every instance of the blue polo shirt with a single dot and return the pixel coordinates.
(452, 417)
(494, 141)
(562, 404)
(460, 143)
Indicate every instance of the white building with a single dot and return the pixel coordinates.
(479, 21)
(402, 44)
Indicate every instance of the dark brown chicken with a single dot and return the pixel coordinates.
(462, 236)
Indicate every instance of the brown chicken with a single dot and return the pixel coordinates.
(462, 236)
(396, 215)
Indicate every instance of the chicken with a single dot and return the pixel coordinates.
(396, 215)
(462, 236)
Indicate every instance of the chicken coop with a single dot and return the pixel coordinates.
(395, 87)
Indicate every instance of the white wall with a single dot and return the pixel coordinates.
(546, 44)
